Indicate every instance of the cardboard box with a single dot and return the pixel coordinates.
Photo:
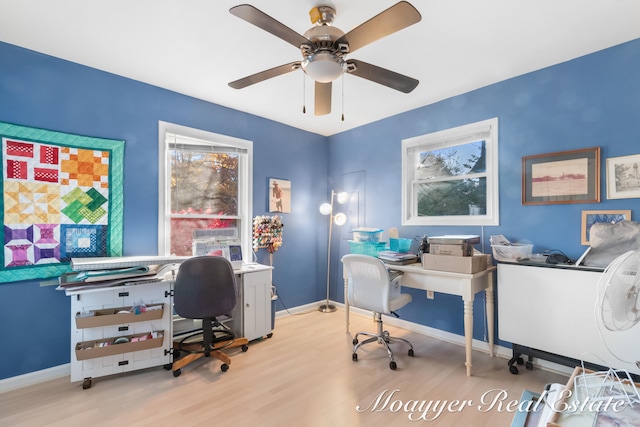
(91, 349)
(110, 316)
(456, 264)
(464, 249)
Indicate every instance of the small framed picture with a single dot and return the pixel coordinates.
(563, 177)
(591, 217)
(623, 177)
(279, 195)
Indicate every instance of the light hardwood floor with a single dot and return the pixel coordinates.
(302, 376)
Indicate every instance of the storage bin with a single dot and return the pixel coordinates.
(115, 316)
(513, 252)
(366, 248)
(92, 349)
(367, 234)
(400, 245)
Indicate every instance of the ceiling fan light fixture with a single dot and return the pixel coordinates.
(324, 67)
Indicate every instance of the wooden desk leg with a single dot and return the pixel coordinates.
(346, 306)
(468, 333)
(490, 314)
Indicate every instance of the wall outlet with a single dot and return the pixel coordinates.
(430, 295)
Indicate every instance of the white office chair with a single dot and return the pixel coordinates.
(370, 287)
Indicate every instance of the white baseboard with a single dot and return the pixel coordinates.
(36, 377)
(43, 375)
(499, 351)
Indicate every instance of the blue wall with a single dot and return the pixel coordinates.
(591, 101)
(41, 91)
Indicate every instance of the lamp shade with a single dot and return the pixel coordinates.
(340, 219)
(323, 67)
(325, 209)
(343, 197)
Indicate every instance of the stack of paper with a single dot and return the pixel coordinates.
(397, 257)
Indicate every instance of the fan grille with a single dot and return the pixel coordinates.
(620, 307)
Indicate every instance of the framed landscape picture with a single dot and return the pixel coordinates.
(623, 177)
(563, 177)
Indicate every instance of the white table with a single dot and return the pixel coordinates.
(464, 285)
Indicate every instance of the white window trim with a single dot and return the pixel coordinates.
(245, 173)
(438, 140)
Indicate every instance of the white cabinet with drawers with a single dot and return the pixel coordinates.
(111, 342)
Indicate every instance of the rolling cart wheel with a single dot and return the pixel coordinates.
(224, 367)
(86, 383)
(245, 348)
(392, 365)
(513, 370)
(355, 341)
(354, 357)
(529, 365)
(177, 373)
(168, 366)
(410, 352)
(520, 361)
(270, 334)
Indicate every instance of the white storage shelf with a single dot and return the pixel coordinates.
(99, 299)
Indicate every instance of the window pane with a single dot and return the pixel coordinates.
(453, 197)
(452, 161)
(182, 230)
(203, 182)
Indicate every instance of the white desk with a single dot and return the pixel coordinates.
(465, 285)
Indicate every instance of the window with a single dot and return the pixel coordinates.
(205, 182)
(451, 177)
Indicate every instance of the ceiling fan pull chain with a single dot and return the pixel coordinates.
(304, 95)
(343, 97)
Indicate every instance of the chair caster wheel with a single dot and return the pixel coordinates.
(355, 341)
(177, 373)
(529, 365)
(410, 352)
(392, 365)
(224, 367)
(513, 370)
(245, 348)
(354, 357)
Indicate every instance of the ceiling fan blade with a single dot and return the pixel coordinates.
(382, 76)
(399, 16)
(264, 75)
(262, 20)
(322, 99)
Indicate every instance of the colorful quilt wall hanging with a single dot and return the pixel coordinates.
(62, 199)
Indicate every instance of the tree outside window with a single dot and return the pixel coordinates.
(451, 177)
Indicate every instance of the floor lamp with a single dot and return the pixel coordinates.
(339, 219)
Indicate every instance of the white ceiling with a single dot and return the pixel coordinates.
(196, 47)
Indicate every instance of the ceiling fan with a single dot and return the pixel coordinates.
(324, 49)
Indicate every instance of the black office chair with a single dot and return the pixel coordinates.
(370, 287)
(205, 288)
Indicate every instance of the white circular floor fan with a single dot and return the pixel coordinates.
(618, 304)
